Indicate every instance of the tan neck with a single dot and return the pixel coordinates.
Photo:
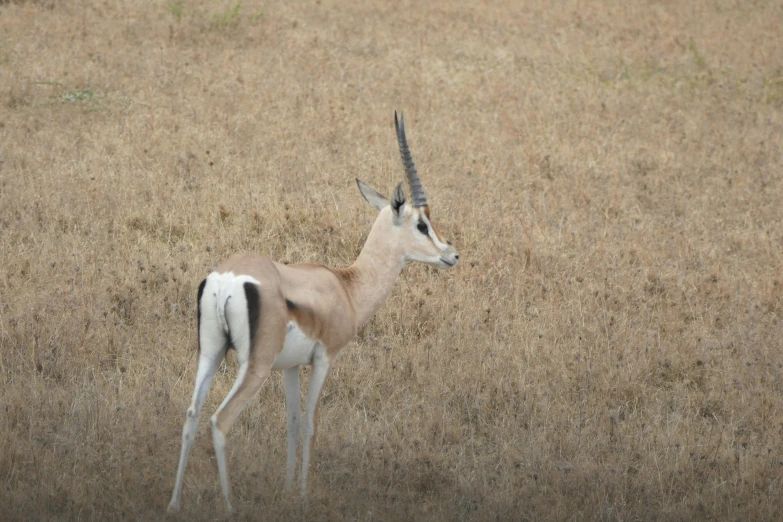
(370, 279)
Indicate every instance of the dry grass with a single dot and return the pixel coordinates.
(610, 347)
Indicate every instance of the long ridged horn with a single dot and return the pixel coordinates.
(417, 192)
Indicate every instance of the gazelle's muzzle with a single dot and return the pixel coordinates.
(450, 257)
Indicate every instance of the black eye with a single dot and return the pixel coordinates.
(422, 226)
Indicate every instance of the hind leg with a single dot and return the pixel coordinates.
(256, 354)
(212, 353)
(246, 386)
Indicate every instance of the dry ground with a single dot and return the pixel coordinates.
(610, 347)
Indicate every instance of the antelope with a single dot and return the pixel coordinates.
(279, 317)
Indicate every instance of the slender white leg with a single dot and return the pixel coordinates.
(317, 379)
(219, 439)
(240, 377)
(213, 348)
(293, 406)
(219, 443)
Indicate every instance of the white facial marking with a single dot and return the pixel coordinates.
(431, 232)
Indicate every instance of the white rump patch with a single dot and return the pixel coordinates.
(230, 312)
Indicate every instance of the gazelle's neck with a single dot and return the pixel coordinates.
(370, 279)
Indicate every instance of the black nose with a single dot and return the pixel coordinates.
(456, 256)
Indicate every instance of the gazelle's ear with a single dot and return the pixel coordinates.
(373, 198)
(398, 200)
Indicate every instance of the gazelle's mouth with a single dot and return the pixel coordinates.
(447, 262)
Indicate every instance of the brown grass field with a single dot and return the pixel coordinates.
(609, 348)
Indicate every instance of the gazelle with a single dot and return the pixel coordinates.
(279, 317)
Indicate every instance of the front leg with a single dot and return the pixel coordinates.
(317, 379)
(293, 406)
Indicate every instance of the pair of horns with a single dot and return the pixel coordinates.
(417, 192)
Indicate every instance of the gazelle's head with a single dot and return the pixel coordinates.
(406, 225)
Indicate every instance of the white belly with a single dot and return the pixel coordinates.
(297, 350)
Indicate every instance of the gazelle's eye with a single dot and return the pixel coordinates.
(422, 226)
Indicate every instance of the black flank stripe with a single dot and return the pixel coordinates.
(198, 312)
(290, 305)
(253, 310)
(228, 325)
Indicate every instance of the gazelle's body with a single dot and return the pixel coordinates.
(279, 317)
